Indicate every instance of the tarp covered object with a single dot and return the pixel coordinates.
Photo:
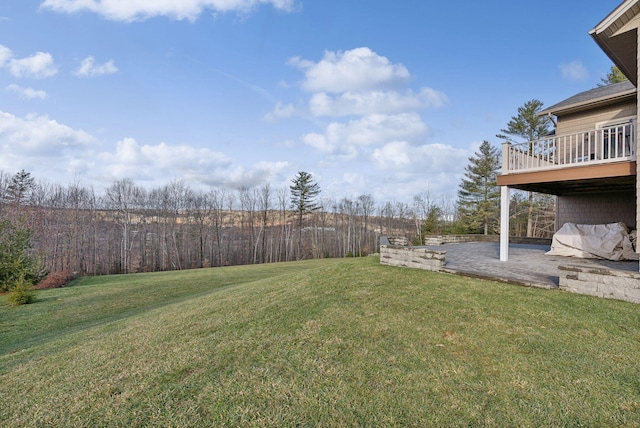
(600, 241)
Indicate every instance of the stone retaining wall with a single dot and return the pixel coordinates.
(601, 282)
(418, 258)
(589, 280)
(457, 239)
(398, 241)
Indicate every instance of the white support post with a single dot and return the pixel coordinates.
(504, 223)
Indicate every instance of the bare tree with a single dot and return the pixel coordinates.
(123, 196)
(285, 229)
(367, 206)
(216, 199)
(264, 199)
(231, 237)
(201, 208)
(4, 184)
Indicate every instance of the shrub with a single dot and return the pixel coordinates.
(16, 259)
(56, 280)
(21, 293)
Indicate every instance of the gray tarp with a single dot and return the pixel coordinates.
(604, 241)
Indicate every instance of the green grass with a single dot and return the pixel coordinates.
(317, 343)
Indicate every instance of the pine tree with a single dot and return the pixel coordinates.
(17, 263)
(530, 126)
(19, 190)
(613, 76)
(479, 194)
(303, 199)
(527, 124)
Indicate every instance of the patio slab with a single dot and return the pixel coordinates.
(527, 265)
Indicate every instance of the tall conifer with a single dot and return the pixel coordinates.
(303, 199)
(479, 194)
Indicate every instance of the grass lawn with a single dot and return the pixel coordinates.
(317, 343)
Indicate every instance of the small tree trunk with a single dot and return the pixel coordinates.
(530, 217)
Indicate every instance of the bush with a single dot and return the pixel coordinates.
(21, 293)
(16, 259)
(56, 280)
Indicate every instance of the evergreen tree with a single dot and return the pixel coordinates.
(17, 263)
(529, 126)
(303, 198)
(613, 76)
(433, 223)
(19, 190)
(479, 194)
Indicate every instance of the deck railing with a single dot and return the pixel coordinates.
(608, 144)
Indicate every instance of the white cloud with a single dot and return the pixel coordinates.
(361, 83)
(354, 179)
(353, 70)
(38, 65)
(5, 55)
(365, 103)
(129, 153)
(399, 170)
(37, 141)
(200, 166)
(59, 153)
(260, 173)
(393, 155)
(29, 93)
(89, 69)
(431, 158)
(574, 71)
(402, 168)
(280, 112)
(373, 130)
(136, 10)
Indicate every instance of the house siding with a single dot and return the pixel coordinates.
(587, 120)
(580, 142)
(637, 199)
(597, 208)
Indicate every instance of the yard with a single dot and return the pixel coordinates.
(335, 342)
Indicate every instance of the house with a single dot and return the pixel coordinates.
(590, 161)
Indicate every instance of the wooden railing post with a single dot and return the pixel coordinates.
(506, 149)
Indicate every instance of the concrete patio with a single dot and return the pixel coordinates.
(528, 265)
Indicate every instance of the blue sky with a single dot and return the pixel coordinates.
(379, 97)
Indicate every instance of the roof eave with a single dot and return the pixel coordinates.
(586, 105)
(617, 60)
(606, 29)
(614, 16)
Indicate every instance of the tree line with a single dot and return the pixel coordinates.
(128, 228)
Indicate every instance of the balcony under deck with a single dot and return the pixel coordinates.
(596, 160)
